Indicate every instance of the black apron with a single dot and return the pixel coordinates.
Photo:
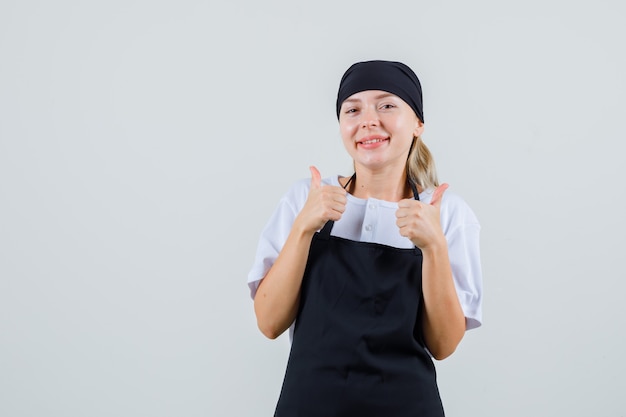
(357, 348)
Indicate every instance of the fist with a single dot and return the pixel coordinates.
(324, 203)
(421, 222)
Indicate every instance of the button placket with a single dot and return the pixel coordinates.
(367, 226)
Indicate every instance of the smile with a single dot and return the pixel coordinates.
(370, 141)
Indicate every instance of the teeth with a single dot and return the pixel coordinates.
(367, 142)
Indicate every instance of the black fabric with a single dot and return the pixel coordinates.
(392, 77)
(357, 347)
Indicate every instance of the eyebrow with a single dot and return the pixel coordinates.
(378, 97)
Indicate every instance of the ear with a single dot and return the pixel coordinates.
(419, 128)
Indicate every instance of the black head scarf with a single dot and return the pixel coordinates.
(392, 77)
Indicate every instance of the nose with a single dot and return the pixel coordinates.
(369, 118)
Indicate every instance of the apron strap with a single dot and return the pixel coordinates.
(416, 195)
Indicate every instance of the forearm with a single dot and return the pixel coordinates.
(277, 298)
(444, 320)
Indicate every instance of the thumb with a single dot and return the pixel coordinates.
(316, 177)
(438, 195)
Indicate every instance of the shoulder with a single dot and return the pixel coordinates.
(455, 205)
(298, 192)
(455, 211)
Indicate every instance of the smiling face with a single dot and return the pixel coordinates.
(377, 129)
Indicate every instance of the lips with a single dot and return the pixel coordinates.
(372, 140)
(367, 142)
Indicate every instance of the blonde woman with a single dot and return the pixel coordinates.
(375, 274)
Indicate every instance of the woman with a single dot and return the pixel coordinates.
(374, 274)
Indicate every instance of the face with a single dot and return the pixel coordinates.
(377, 129)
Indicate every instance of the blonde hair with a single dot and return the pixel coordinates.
(420, 165)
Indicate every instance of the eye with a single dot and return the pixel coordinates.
(350, 110)
(387, 106)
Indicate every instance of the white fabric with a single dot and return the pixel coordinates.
(374, 221)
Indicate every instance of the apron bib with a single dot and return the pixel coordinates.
(357, 346)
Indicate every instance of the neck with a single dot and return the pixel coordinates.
(382, 185)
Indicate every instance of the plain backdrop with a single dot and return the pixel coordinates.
(144, 144)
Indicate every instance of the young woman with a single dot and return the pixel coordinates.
(374, 274)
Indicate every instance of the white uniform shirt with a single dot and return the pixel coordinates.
(372, 220)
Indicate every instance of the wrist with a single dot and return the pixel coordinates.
(299, 231)
(436, 248)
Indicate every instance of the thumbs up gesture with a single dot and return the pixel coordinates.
(324, 203)
(421, 222)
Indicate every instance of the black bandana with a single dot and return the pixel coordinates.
(392, 77)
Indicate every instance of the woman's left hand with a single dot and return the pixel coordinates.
(421, 222)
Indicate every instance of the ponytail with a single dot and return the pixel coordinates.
(420, 166)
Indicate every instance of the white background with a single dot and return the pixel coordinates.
(143, 145)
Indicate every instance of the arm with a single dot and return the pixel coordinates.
(443, 320)
(277, 297)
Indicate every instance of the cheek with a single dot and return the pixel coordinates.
(404, 126)
(347, 131)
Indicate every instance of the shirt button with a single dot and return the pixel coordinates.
(368, 228)
(372, 206)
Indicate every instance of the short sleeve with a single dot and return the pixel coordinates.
(275, 233)
(462, 232)
(466, 270)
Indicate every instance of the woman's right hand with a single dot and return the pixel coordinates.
(324, 203)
